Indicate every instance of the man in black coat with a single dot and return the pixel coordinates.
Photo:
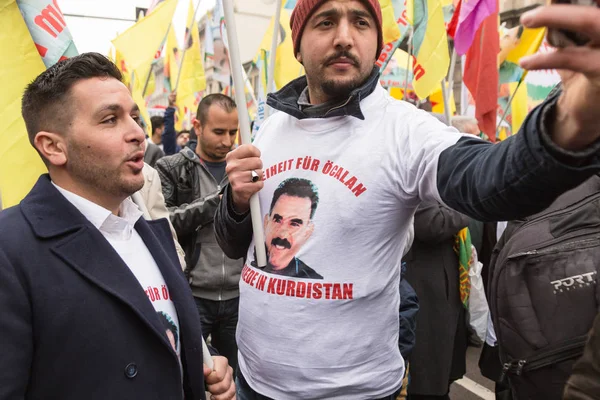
(439, 356)
(93, 303)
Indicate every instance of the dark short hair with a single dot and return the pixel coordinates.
(184, 131)
(44, 105)
(297, 187)
(168, 323)
(157, 122)
(223, 101)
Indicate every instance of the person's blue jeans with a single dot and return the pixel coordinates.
(219, 320)
(245, 392)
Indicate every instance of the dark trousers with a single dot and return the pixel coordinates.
(219, 320)
(245, 392)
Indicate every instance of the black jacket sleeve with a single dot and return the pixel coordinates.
(185, 217)
(233, 231)
(169, 136)
(515, 178)
(409, 308)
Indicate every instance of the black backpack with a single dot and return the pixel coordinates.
(543, 294)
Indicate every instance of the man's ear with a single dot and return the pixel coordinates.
(197, 127)
(299, 57)
(52, 147)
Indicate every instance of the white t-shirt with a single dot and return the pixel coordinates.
(120, 233)
(337, 337)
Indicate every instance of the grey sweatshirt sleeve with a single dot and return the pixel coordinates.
(233, 231)
(515, 178)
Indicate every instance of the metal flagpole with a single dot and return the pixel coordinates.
(450, 77)
(446, 101)
(207, 359)
(152, 65)
(248, 86)
(185, 45)
(272, 55)
(512, 96)
(147, 80)
(410, 50)
(447, 86)
(240, 99)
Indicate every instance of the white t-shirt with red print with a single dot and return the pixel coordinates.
(326, 327)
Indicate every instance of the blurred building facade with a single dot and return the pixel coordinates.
(252, 19)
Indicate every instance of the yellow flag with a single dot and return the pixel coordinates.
(518, 107)
(20, 165)
(123, 67)
(530, 42)
(141, 76)
(410, 12)
(171, 54)
(397, 93)
(437, 101)
(287, 68)
(136, 94)
(430, 46)
(192, 79)
(139, 44)
(391, 32)
(502, 135)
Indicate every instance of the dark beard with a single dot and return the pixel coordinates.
(341, 91)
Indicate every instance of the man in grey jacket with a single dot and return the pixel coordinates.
(192, 184)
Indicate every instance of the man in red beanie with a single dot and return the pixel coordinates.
(372, 160)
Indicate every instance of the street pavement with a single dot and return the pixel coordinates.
(474, 386)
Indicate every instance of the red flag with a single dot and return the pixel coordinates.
(481, 74)
(451, 28)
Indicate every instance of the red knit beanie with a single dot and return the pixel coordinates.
(305, 8)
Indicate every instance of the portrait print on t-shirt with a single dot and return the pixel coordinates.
(170, 329)
(288, 225)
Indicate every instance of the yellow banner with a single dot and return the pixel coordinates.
(287, 68)
(139, 44)
(20, 165)
(391, 32)
(518, 107)
(530, 42)
(430, 46)
(192, 79)
(171, 57)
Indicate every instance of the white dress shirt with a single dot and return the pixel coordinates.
(119, 231)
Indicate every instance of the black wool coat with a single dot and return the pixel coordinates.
(432, 270)
(74, 321)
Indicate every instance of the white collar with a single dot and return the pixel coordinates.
(104, 220)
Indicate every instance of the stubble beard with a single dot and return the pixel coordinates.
(94, 174)
(209, 153)
(341, 89)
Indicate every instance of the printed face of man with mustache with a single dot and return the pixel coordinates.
(287, 227)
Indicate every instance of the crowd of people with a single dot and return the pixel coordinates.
(137, 246)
